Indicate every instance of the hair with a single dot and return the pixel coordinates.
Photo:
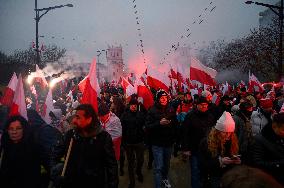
(216, 143)
(25, 126)
(89, 112)
(245, 176)
(117, 106)
(278, 119)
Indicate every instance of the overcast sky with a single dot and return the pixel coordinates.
(91, 25)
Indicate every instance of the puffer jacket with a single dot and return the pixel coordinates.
(268, 153)
(258, 121)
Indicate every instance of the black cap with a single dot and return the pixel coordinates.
(103, 109)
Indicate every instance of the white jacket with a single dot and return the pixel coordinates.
(258, 121)
(113, 126)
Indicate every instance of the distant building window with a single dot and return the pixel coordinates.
(113, 73)
(117, 70)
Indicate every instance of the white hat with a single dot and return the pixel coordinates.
(225, 123)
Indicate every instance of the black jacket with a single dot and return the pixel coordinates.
(132, 127)
(161, 135)
(20, 163)
(92, 161)
(268, 153)
(196, 126)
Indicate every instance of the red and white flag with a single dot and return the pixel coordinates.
(47, 107)
(90, 87)
(157, 80)
(19, 104)
(145, 93)
(128, 88)
(39, 77)
(201, 73)
(254, 84)
(8, 96)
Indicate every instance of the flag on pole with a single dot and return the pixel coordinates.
(201, 73)
(19, 104)
(9, 92)
(48, 107)
(145, 93)
(157, 80)
(91, 88)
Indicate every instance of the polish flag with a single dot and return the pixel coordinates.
(254, 84)
(48, 107)
(91, 87)
(19, 104)
(8, 96)
(39, 77)
(201, 73)
(145, 93)
(128, 88)
(157, 80)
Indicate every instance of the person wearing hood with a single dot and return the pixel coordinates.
(161, 125)
(218, 152)
(196, 126)
(133, 121)
(20, 163)
(268, 148)
(262, 115)
(91, 155)
(244, 129)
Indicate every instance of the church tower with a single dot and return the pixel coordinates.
(114, 63)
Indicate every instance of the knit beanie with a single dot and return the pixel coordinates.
(225, 123)
(133, 101)
(160, 93)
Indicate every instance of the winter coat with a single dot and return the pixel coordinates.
(196, 126)
(92, 161)
(258, 121)
(132, 127)
(20, 165)
(268, 153)
(209, 165)
(243, 131)
(161, 135)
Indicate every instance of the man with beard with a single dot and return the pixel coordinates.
(244, 129)
(262, 116)
(90, 150)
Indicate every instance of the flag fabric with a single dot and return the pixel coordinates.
(19, 104)
(9, 92)
(157, 80)
(128, 88)
(47, 107)
(145, 93)
(254, 84)
(91, 88)
(40, 78)
(201, 73)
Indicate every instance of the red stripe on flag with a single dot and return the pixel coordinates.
(201, 76)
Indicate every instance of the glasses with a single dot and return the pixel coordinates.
(15, 129)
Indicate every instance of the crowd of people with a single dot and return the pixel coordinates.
(237, 142)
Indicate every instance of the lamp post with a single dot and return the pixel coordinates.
(38, 17)
(278, 10)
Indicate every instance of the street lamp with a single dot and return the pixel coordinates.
(278, 10)
(38, 17)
